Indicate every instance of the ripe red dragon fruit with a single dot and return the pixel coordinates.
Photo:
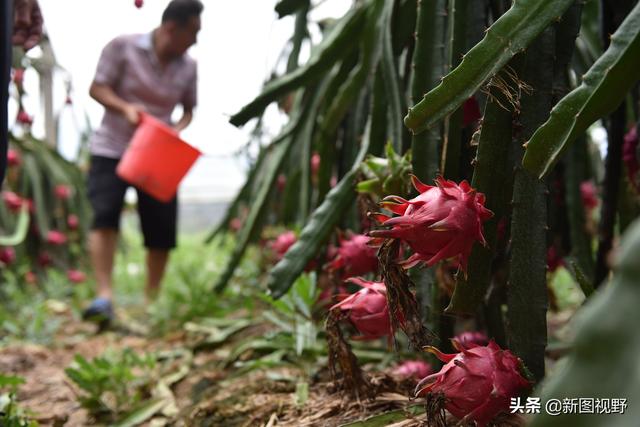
(282, 243)
(416, 369)
(62, 191)
(315, 164)
(470, 339)
(76, 276)
(24, 118)
(355, 257)
(55, 237)
(630, 157)
(13, 157)
(235, 224)
(30, 277)
(442, 222)
(44, 260)
(138, 3)
(7, 255)
(470, 112)
(281, 182)
(367, 309)
(589, 196)
(18, 76)
(554, 259)
(477, 383)
(73, 222)
(12, 201)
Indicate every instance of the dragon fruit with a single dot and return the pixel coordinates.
(416, 369)
(282, 243)
(355, 257)
(315, 164)
(13, 157)
(630, 156)
(24, 118)
(554, 259)
(442, 222)
(55, 237)
(44, 260)
(76, 276)
(12, 201)
(138, 3)
(470, 112)
(588, 194)
(30, 277)
(73, 222)
(7, 255)
(235, 224)
(477, 383)
(367, 309)
(470, 339)
(18, 76)
(62, 191)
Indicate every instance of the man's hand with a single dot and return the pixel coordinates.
(27, 23)
(132, 113)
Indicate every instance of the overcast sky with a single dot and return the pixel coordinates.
(238, 45)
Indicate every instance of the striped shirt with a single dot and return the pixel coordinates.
(129, 65)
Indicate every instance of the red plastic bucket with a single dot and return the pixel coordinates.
(156, 159)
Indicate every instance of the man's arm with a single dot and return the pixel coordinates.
(185, 120)
(106, 96)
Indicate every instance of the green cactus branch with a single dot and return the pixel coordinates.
(510, 34)
(20, 232)
(603, 359)
(335, 46)
(317, 230)
(299, 34)
(603, 88)
(242, 196)
(288, 7)
(304, 110)
(391, 82)
(491, 176)
(428, 67)
(451, 149)
(527, 300)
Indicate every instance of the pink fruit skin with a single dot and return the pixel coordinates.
(24, 118)
(478, 383)
(315, 164)
(355, 257)
(30, 277)
(470, 339)
(235, 224)
(470, 112)
(73, 222)
(55, 237)
(630, 156)
(442, 222)
(12, 201)
(13, 157)
(138, 3)
(18, 76)
(76, 276)
(62, 191)
(589, 196)
(367, 309)
(416, 369)
(44, 260)
(7, 255)
(282, 243)
(281, 182)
